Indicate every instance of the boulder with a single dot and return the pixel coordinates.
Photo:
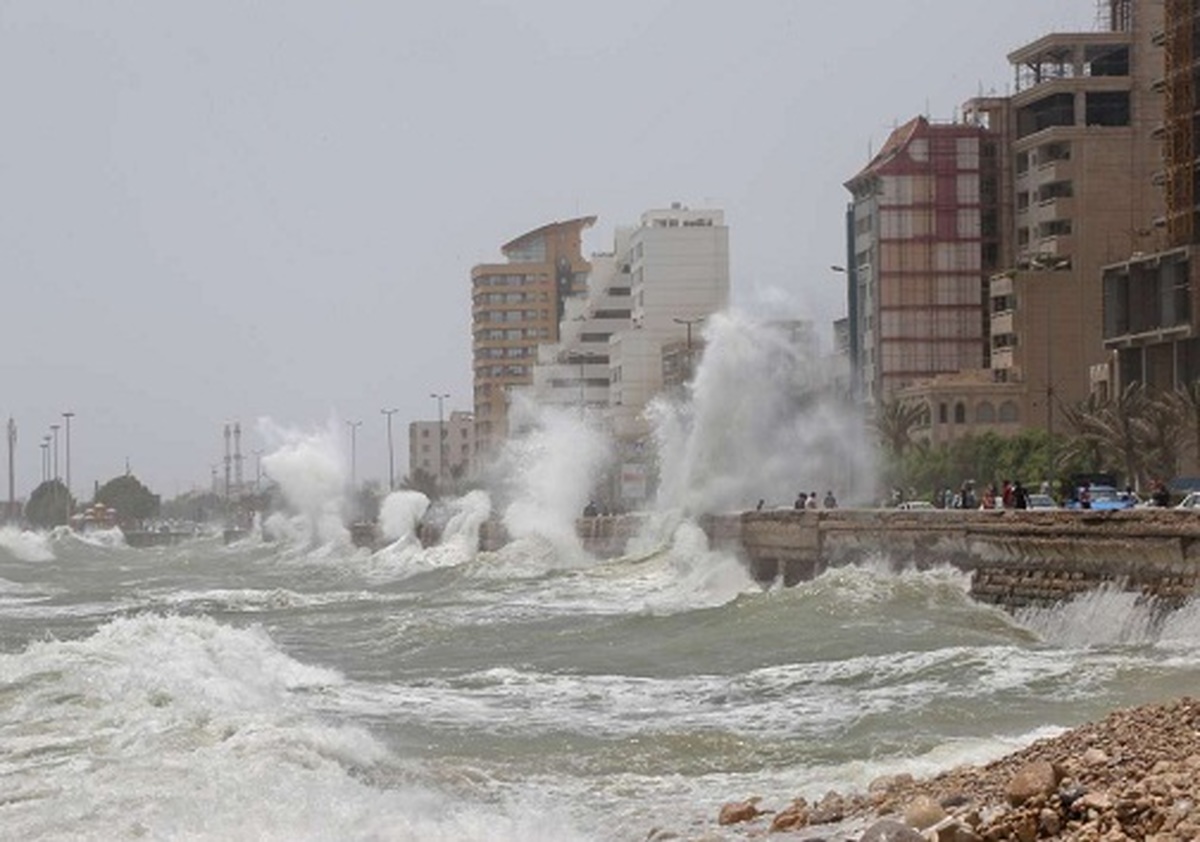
(1033, 779)
(792, 817)
(736, 812)
(890, 830)
(923, 812)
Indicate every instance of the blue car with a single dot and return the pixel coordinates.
(1107, 498)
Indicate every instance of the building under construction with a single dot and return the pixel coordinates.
(1151, 321)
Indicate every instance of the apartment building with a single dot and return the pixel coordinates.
(1151, 322)
(677, 261)
(922, 218)
(442, 449)
(515, 306)
(1082, 155)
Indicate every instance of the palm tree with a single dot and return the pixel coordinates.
(1166, 420)
(1188, 395)
(1123, 429)
(1086, 442)
(894, 422)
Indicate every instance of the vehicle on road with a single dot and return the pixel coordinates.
(917, 505)
(1042, 501)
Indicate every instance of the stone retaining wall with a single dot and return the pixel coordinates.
(1015, 558)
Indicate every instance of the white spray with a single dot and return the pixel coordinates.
(548, 473)
(310, 471)
(761, 425)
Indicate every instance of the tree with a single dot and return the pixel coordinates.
(894, 422)
(49, 505)
(132, 500)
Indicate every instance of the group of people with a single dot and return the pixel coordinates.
(810, 501)
(1011, 495)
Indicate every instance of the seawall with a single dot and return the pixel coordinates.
(1015, 558)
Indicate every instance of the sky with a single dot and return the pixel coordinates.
(226, 211)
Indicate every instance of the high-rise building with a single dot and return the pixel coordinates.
(1151, 321)
(917, 237)
(516, 306)
(1082, 152)
(677, 262)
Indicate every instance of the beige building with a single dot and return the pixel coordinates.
(442, 449)
(1082, 151)
(515, 306)
(1151, 322)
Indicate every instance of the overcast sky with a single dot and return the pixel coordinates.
(216, 211)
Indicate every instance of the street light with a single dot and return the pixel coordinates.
(689, 323)
(391, 450)
(54, 433)
(257, 469)
(45, 458)
(441, 434)
(576, 357)
(67, 416)
(353, 425)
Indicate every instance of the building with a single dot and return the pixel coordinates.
(923, 210)
(443, 449)
(515, 306)
(1082, 156)
(1151, 322)
(677, 261)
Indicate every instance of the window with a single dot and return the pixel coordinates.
(985, 413)
(1008, 412)
(960, 413)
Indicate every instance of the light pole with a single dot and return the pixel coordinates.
(67, 416)
(45, 458)
(688, 323)
(576, 357)
(257, 469)
(391, 450)
(12, 476)
(54, 433)
(353, 425)
(441, 435)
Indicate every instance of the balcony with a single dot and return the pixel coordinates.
(1002, 323)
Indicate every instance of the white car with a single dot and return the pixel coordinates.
(1042, 501)
(916, 505)
(1191, 501)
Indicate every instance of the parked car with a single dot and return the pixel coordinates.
(917, 505)
(1107, 498)
(1191, 501)
(1042, 501)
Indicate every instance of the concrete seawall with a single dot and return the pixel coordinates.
(1015, 558)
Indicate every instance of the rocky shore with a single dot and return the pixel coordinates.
(1133, 775)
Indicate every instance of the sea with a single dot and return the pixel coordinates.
(302, 689)
(292, 686)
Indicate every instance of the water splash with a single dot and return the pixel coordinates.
(548, 474)
(761, 423)
(1107, 616)
(25, 546)
(400, 515)
(310, 470)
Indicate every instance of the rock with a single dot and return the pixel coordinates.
(736, 812)
(792, 817)
(1033, 779)
(923, 812)
(889, 830)
(1094, 757)
(890, 783)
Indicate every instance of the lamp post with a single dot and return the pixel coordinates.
(45, 458)
(67, 416)
(353, 425)
(12, 476)
(54, 433)
(688, 323)
(257, 469)
(439, 397)
(388, 413)
(576, 357)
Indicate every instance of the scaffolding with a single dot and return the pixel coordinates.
(1178, 112)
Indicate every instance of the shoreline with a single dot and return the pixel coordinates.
(1135, 774)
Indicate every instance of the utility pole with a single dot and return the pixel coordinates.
(45, 458)
(391, 450)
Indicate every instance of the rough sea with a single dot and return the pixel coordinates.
(300, 690)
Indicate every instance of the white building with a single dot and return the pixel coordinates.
(678, 263)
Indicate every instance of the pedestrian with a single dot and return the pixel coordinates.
(830, 500)
(801, 500)
(811, 503)
(1020, 496)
